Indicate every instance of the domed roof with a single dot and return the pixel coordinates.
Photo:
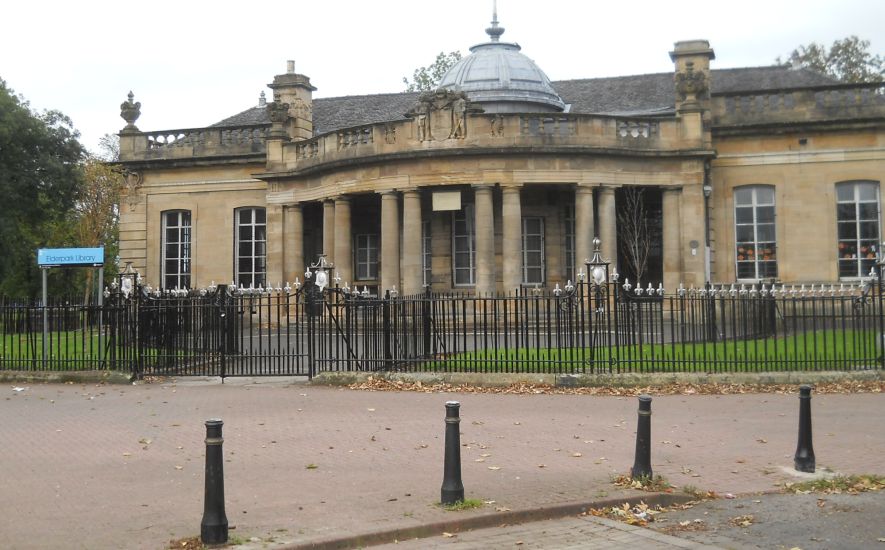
(501, 79)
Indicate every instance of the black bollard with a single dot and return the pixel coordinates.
(213, 529)
(452, 488)
(804, 459)
(642, 462)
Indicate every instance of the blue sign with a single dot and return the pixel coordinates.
(70, 257)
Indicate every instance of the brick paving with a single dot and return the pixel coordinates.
(86, 466)
(585, 532)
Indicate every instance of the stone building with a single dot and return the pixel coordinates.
(500, 179)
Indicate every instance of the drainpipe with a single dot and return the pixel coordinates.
(708, 191)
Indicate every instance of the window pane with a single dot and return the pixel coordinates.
(845, 193)
(765, 214)
(746, 270)
(765, 232)
(172, 235)
(765, 195)
(743, 215)
(867, 191)
(744, 233)
(868, 230)
(868, 211)
(767, 269)
(845, 212)
(743, 196)
(260, 215)
(847, 268)
(847, 230)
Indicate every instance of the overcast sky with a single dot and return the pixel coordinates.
(192, 63)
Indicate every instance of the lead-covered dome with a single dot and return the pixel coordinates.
(501, 79)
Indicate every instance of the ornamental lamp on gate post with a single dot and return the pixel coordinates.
(319, 272)
(597, 267)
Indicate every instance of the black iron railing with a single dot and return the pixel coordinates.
(585, 328)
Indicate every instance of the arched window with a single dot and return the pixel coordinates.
(857, 219)
(251, 246)
(755, 237)
(175, 262)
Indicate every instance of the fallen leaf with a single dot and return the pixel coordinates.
(578, 455)
(494, 467)
(447, 535)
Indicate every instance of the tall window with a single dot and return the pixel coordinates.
(426, 252)
(251, 246)
(569, 231)
(857, 217)
(176, 259)
(533, 251)
(463, 246)
(755, 242)
(366, 257)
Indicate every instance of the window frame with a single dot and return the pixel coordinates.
(257, 277)
(541, 251)
(756, 244)
(184, 256)
(370, 265)
(467, 214)
(862, 257)
(426, 253)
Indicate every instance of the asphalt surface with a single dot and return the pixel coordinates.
(94, 466)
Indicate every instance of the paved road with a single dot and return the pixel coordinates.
(87, 466)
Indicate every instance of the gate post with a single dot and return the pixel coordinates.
(385, 312)
(311, 329)
(425, 315)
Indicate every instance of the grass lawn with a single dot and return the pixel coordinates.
(67, 350)
(811, 350)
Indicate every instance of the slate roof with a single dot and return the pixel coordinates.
(647, 94)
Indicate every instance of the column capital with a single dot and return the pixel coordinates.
(513, 188)
(671, 189)
(342, 198)
(292, 206)
(583, 188)
(389, 194)
(411, 191)
(482, 186)
(609, 187)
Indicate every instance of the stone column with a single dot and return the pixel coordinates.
(511, 249)
(343, 256)
(608, 225)
(672, 238)
(484, 225)
(412, 261)
(389, 241)
(329, 228)
(584, 231)
(274, 245)
(293, 243)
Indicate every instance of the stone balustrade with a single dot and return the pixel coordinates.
(194, 142)
(818, 104)
(528, 131)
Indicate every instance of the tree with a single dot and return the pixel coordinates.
(40, 174)
(635, 235)
(97, 211)
(848, 60)
(426, 79)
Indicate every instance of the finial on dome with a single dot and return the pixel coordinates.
(495, 31)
